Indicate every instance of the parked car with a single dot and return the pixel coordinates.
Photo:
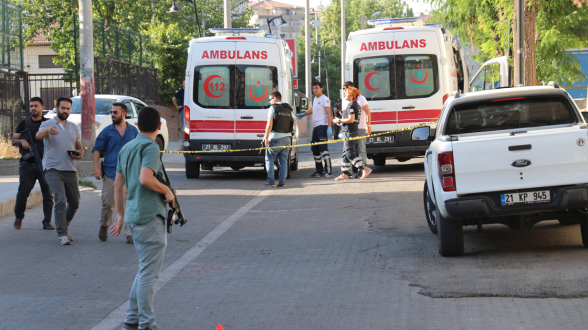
(514, 156)
(103, 119)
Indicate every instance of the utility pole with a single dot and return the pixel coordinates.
(228, 14)
(519, 43)
(308, 68)
(343, 39)
(87, 73)
(317, 24)
(362, 20)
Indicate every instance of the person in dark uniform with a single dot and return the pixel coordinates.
(28, 169)
(178, 101)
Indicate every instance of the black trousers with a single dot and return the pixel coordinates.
(321, 152)
(29, 174)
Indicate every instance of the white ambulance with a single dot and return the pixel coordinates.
(229, 78)
(406, 70)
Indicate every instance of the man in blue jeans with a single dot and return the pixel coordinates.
(138, 167)
(278, 132)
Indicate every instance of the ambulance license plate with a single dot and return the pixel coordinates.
(528, 197)
(212, 147)
(381, 139)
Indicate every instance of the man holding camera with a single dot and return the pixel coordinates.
(63, 145)
(109, 142)
(28, 169)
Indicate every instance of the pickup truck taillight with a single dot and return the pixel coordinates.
(186, 127)
(447, 171)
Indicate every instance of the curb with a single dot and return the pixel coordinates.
(7, 206)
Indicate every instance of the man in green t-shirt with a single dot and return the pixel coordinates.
(138, 167)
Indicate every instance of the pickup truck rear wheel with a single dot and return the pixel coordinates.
(450, 236)
(430, 209)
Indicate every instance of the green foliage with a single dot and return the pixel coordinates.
(560, 26)
(169, 35)
(331, 20)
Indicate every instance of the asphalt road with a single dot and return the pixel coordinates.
(317, 254)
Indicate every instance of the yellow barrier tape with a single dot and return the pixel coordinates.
(298, 145)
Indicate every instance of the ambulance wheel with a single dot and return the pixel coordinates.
(294, 164)
(288, 174)
(380, 161)
(192, 170)
(584, 226)
(159, 141)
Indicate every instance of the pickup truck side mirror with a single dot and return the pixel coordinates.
(303, 105)
(421, 133)
(128, 116)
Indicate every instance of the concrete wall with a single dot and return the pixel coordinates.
(173, 121)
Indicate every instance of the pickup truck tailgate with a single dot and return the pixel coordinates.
(555, 156)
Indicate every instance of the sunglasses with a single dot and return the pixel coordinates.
(272, 98)
(114, 112)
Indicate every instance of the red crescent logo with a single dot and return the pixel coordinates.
(207, 91)
(367, 81)
(419, 82)
(257, 99)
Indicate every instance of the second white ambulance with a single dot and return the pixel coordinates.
(229, 78)
(406, 70)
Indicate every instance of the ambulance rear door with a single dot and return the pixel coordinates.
(373, 75)
(419, 81)
(258, 68)
(212, 114)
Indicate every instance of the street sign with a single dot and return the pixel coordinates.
(295, 83)
(292, 45)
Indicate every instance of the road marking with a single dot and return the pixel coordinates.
(116, 317)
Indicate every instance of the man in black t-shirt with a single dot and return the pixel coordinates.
(28, 168)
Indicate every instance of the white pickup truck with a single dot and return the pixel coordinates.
(514, 156)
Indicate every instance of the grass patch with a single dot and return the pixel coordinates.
(7, 150)
(86, 183)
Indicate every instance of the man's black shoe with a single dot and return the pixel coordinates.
(358, 175)
(127, 326)
(281, 184)
(103, 233)
(269, 184)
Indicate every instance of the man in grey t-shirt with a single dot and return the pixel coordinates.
(63, 144)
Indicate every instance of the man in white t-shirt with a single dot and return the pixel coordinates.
(321, 111)
(365, 123)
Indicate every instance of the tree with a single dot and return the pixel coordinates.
(170, 35)
(331, 20)
(551, 28)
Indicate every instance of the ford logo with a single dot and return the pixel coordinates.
(521, 163)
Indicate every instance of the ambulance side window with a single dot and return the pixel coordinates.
(254, 86)
(417, 76)
(212, 88)
(372, 77)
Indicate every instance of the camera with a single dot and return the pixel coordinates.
(28, 155)
(73, 153)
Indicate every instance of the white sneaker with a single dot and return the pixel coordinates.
(63, 240)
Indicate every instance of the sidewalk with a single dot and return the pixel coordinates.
(9, 184)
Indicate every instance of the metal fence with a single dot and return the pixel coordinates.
(11, 46)
(50, 87)
(13, 90)
(122, 78)
(121, 44)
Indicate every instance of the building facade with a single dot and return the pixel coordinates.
(264, 10)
